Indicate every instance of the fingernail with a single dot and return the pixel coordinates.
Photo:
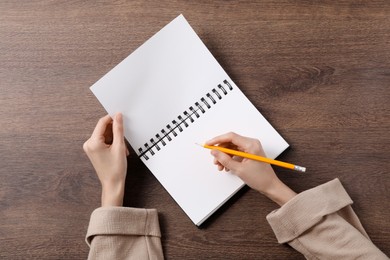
(118, 116)
(209, 141)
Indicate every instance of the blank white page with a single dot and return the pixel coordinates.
(156, 84)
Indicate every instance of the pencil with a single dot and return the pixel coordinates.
(257, 158)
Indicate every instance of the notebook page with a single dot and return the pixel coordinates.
(158, 81)
(187, 171)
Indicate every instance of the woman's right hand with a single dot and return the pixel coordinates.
(257, 175)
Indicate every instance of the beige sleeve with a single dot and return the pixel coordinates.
(124, 233)
(321, 224)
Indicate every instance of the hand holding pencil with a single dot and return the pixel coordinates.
(257, 175)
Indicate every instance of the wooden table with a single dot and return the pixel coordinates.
(320, 72)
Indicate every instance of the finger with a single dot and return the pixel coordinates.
(243, 143)
(117, 129)
(108, 135)
(221, 167)
(218, 164)
(101, 126)
(240, 141)
(225, 160)
(224, 138)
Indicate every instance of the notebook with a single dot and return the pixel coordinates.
(173, 94)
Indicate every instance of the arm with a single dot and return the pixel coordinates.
(116, 232)
(319, 223)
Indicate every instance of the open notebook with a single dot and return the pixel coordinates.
(172, 94)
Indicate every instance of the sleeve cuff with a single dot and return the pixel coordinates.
(123, 221)
(306, 209)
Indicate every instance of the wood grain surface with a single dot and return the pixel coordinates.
(318, 70)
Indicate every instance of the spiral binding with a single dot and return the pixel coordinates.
(183, 121)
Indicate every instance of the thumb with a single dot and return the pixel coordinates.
(117, 129)
(225, 160)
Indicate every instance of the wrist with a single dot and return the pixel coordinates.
(112, 194)
(279, 192)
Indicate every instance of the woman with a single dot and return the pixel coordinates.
(319, 222)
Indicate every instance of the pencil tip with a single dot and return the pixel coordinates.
(199, 144)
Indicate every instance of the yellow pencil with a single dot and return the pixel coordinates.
(256, 158)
